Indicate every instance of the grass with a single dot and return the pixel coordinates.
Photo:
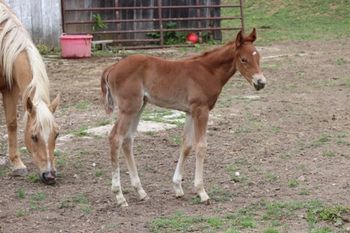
(33, 177)
(80, 201)
(3, 171)
(328, 154)
(81, 132)
(293, 183)
(271, 177)
(20, 193)
(284, 20)
(82, 105)
(19, 213)
(36, 200)
(271, 216)
(162, 115)
(236, 175)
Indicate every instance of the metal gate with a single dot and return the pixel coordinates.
(145, 23)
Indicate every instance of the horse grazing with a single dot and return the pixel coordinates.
(23, 73)
(191, 85)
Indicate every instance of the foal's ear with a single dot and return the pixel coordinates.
(239, 39)
(30, 106)
(252, 36)
(54, 103)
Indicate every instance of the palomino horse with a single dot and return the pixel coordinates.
(190, 85)
(23, 72)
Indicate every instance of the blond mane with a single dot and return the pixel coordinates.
(15, 39)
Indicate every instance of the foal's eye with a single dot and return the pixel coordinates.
(34, 138)
(244, 60)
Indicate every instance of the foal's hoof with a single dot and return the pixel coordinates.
(122, 202)
(207, 202)
(145, 198)
(20, 172)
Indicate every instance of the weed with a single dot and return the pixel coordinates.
(293, 183)
(323, 139)
(98, 173)
(235, 175)
(35, 200)
(21, 193)
(231, 230)
(81, 132)
(271, 230)
(83, 202)
(304, 192)
(2, 171)
(271, 177)
(275, 129)
(331, 214)
(247, 222)
(328, 154)
(98, 23)
(177, 222)
(322, 230)
(104, 122)
(40, 196)
(19, 213)
(280, 210)
(218, 194)
(215, 222)
(82, 105)
(23, 150)
(340, 61)
(33, 178)
(43, 49)
(176, 140)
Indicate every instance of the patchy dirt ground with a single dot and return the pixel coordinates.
(287, 145)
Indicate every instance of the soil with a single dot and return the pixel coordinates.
(297, 130)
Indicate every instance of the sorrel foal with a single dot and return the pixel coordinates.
(190, 85)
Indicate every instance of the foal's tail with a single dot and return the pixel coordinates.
(107, 97)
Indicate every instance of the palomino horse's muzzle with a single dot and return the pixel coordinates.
(48, 177)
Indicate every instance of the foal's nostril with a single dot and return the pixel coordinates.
(260, 84)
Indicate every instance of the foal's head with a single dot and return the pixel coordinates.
(248, 60)
(40, 137)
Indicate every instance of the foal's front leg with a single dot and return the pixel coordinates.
(200, 118)
(10, 100)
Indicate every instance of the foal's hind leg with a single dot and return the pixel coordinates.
(10, 100)
(116, 138)
(186, 146)
(129, 155)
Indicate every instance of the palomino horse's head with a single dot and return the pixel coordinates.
(248, 60)
(41, 133)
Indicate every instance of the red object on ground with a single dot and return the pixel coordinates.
(75, 46)
(192, 37)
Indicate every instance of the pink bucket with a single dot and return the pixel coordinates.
(75, 46)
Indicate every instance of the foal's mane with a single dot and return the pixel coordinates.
(213, 51)
(14, 39)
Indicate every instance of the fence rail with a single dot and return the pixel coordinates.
(132, 26)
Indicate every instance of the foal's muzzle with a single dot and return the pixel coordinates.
(48, 177)
(259, 85)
